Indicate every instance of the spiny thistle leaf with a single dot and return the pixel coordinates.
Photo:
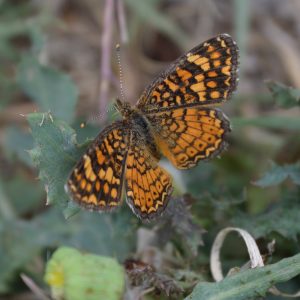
(179, 217)
(284, 96)
(282, 218)
(55, 154)
(278, 174)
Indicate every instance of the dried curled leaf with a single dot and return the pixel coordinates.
(215, 263)
(243, 284)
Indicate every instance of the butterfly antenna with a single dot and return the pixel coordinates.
(118, 49)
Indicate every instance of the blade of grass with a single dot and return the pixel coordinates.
(147, 12)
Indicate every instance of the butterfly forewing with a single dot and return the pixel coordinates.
(206, 75)
(96, 181)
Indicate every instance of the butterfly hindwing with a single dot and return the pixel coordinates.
(206, 75)
(187, 135)
(96, 181)
(148, 186)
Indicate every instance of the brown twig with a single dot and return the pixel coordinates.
(105, 70)
(37, 291)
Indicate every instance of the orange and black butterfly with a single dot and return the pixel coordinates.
(174, 117)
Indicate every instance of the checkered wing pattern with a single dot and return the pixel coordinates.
(206, 75)
(187, 135)
(96, 181)
(148, 186)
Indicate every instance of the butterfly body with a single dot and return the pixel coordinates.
(175, 117)
(140, 128)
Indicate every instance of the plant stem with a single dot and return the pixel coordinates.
(105, 69)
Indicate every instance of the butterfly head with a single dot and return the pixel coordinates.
(124, 108)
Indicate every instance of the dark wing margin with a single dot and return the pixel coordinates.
(96, 181)
(205, 75)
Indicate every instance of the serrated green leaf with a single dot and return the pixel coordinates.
(248, 284)
(55, 154)
(284, 96)
(278, 174)
(178, 217)
(283, 218)
(52, 90)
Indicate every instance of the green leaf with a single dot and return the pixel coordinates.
(248, 284)
(278, 174)
(284, 96)
(17, 247)
(283, 218)
(16, 144)
(6, 209)
(55, 154)
(24, 194)
(51, 89)
(22, 241)
(18, 25)
(8, 87)
(74, 276)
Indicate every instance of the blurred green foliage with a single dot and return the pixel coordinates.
(50, 89)
(284, 96)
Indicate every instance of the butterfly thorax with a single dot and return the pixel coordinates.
(139, 125)
(124, 108)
